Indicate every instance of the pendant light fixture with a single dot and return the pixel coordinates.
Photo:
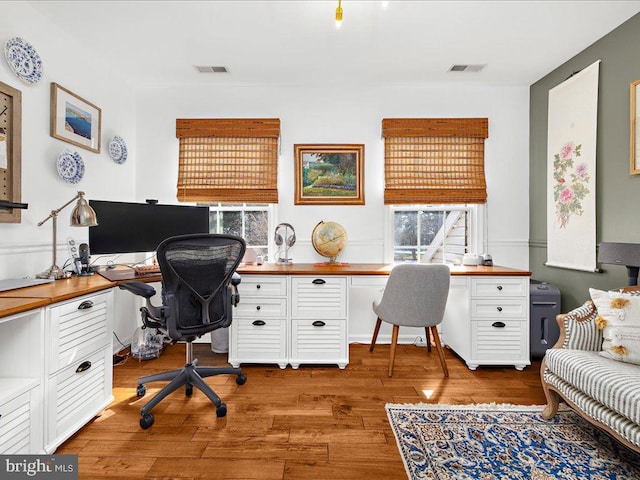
(339, 14)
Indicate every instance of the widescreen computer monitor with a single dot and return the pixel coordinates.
(125, 227)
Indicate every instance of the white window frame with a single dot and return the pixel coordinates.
(477, 224)
(243, 207)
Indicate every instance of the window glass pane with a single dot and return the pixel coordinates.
(213, 221)
(405, 228)
(405, 254)
(430, 225)
(232, 223)
(256, 224)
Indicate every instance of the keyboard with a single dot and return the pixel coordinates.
(146, 269)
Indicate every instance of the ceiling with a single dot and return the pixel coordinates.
(157, 43)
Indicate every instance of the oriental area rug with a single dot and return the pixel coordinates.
(487, 442)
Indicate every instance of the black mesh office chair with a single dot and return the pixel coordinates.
(198, 291)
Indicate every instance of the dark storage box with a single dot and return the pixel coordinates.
(544, 307)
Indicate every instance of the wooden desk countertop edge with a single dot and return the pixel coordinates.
(29, 298)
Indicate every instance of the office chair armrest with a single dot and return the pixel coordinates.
(235, 279)
(139, 288)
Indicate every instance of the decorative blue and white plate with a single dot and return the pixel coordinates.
(70, 166)
(118, 149)
(23, 60)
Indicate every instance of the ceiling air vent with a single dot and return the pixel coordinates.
(210, 69)
(466, 68)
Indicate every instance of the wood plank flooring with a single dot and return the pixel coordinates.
(317, 422)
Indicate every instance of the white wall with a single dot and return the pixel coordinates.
(349, 115)
(25, 248)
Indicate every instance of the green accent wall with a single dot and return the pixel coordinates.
(617, 192)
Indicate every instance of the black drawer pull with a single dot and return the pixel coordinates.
(499, 309)
(83, 367)
(318, 323)
(257, 307)
(498, 324)
(258, 323)
(85, 305)
(499, 287)
(258, 286)
(318, 281)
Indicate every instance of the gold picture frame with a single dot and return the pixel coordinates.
(10, 154)
(329, 174)
(634, 148)
(75, 120)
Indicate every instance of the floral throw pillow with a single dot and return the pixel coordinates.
(619, 319)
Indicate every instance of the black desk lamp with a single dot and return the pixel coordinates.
(627, 254)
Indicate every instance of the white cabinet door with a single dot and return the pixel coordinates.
(319, 341)
(319, 297)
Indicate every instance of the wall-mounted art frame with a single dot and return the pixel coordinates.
(75, 120)
(10, 154)
(634, 165)
(329, 174)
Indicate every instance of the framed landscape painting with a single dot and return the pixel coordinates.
(327, 174)
(74, 120)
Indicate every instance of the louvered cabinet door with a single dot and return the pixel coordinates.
(20, 423)
(79, 380)
(319, 326)
(21, 370)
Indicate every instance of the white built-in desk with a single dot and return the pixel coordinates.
(309, 313)
(56, 338)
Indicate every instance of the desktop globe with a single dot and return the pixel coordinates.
(329, 239)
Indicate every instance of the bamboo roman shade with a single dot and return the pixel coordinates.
(228, 160)
(434, 160)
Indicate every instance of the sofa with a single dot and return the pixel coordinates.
(605, 391)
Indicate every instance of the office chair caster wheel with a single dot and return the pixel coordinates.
(146, 421)
(221, 410)
(188, 390)
(141, 390)
(241, 379)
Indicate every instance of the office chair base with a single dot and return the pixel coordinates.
(190, 376)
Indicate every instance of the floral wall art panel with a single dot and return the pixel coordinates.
(571, 171)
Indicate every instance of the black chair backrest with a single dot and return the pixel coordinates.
(196, 271)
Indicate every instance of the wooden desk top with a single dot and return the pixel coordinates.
(367, 269)
(9, 306)
(23, 299)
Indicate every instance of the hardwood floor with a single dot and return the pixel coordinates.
(317, 422)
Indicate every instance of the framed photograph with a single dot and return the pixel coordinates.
(329, 174)
(74, 120)
(634, 166)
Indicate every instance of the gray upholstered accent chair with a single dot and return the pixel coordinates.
(415, 296)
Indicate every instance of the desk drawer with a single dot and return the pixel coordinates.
(499, 287)
(262, 307)
(78, 328)
(76, 394)
(500, 343)
(319, 297)
(318, 341)
(500, 308)
(256, 340)
(262, 286)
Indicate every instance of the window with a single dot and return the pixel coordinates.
(228, 160)
(249, 221)
(435, 186)
(432, 234)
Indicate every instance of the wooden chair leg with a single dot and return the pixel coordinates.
(443, 362)
(394, 342)
(428, 339)
(375, 335)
